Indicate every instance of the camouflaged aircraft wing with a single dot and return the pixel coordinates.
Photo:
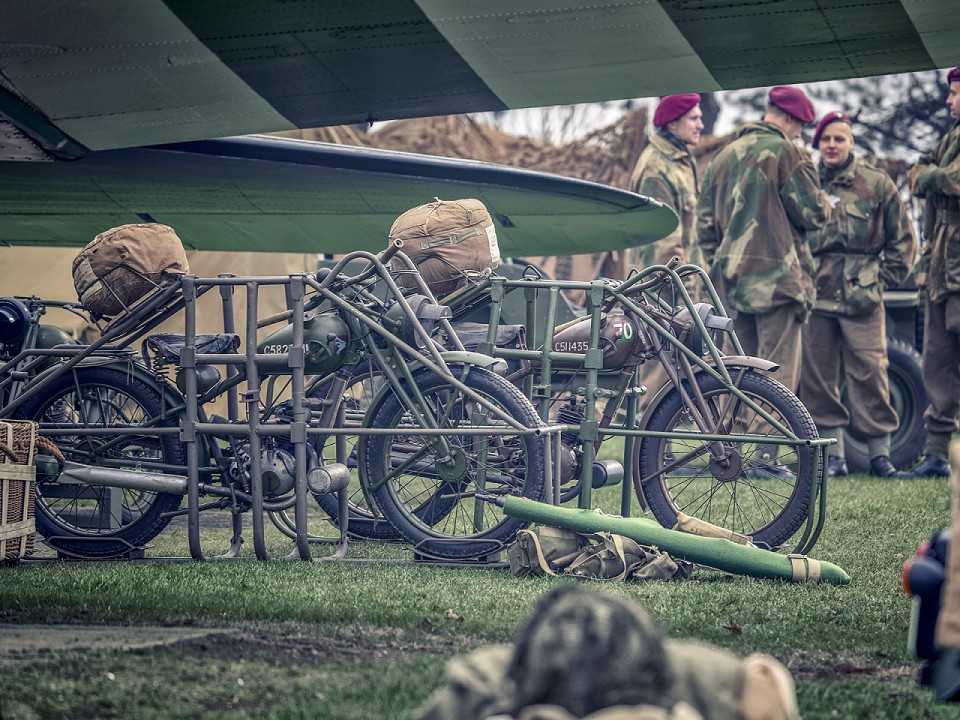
(83, 76)
(283, 195)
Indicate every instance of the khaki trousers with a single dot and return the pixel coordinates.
(774, 336)
(941, 364)
(852, 351)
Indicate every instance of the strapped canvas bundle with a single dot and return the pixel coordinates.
(123, 264)
(545, 550)
(449, 241)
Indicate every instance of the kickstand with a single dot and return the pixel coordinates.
(236, 542)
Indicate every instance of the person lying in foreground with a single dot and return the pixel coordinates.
(586, 654)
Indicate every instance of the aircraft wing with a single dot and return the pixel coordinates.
(104, 74)
(284, 195)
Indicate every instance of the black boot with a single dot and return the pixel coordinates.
(766, 470)
(880, 466)
(836, 467)
(932, 466)
(946, 676)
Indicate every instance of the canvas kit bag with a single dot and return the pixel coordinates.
(123, 264)
(545, 550)
(449, 241)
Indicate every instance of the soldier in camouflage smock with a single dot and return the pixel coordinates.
(667, 171)
(867, 245)
(937, 180)
(593, 655)
(759, 198)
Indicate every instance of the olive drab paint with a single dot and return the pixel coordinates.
(619, 340)
(325, 338)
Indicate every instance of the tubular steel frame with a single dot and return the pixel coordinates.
(167, 300)
(601, 295)
(193, 427)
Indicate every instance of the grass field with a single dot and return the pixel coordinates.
(357, 640)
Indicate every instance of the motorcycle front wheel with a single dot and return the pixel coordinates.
(751, 488)
(436, 498)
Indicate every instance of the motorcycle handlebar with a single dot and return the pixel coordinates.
(322, 273)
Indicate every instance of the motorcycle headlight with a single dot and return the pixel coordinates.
(426, 311)
(14, 321)
(690, 333)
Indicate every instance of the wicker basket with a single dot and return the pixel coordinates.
(17, 489)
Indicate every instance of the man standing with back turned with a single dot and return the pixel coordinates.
(760, 196)
(937, 180)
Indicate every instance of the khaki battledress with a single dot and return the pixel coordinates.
(867, 245)
(938, 182)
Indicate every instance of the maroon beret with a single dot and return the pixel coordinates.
(953, 75)
(673, 107)
(794, 102)
(830, 117)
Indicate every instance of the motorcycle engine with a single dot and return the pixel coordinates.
(570, 452)
(277, 469)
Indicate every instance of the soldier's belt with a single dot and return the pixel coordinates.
(849, 251)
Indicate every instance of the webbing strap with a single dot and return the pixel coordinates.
(695, 526)
(541, 560)
(450, 239)
(804, 568)
(608, 541)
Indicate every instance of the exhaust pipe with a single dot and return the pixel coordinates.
(321, 480)
(130, 479)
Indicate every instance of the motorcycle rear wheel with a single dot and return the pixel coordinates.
(95, 521)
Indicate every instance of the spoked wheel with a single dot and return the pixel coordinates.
(365, 522)
(735, 485)
(93, 520)
(428, 492)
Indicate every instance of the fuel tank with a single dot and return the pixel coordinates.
(326, 338)
(620, 340)
(49, 337)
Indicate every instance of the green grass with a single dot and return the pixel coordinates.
(845, 644)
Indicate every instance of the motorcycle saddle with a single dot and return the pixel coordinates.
(169, 346)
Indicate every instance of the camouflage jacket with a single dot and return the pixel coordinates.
(668, 173)
(760, 196)
(867, 245)
(708, 682)
(938, 181)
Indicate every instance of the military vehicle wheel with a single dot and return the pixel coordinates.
(909, 399)
(91, 520)
(429, 496)
(742, 492)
